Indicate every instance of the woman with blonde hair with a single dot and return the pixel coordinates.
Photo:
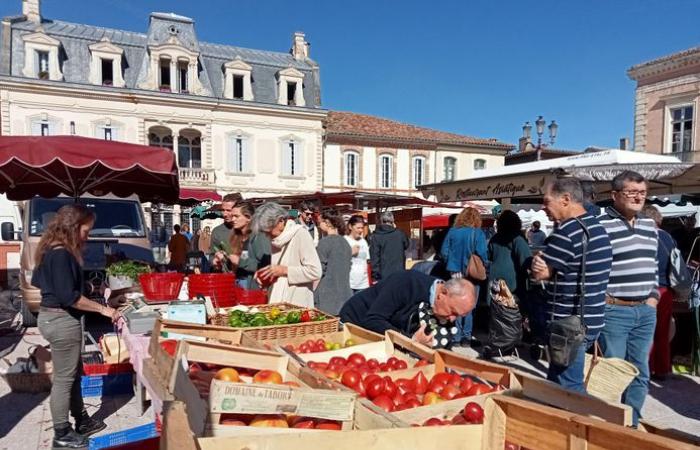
(463, 240)
(59, 276)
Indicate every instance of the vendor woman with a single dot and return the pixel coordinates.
(58, 275)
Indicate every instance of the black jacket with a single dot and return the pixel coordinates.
(386, 250)
(391, 304)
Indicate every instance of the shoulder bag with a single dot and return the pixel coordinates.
(476, 270)
(567, 334)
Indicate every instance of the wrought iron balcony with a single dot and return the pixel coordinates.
(190, 176)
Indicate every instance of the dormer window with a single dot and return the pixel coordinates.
(238, 87)
(238, 80)
(164, 80)
(107, 72)
(182, 79)
(106, 64)
(41, 57)
(290, 87)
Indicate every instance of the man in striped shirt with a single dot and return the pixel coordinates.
(560, 266)
(632, 293)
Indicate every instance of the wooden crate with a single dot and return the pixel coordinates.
(526, 425)
(348, 331)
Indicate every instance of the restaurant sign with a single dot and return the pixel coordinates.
(492, 188)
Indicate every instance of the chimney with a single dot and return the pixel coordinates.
(300, 48)
(624, 143)
(31, 9)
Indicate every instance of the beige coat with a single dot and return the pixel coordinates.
(295, 249)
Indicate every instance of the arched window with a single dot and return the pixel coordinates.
(418, 170)
(479, 164)
(160, 137)
(351, 168)
(386, 169)
(189, 151)
(450, 168)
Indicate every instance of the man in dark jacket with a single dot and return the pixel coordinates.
(387, 247)
(414, 304)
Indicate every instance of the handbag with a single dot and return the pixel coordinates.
(566, 335)
(607, 378)
(476, 270)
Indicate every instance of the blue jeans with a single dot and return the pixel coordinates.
(628, 334)
(465, 324)
(571, 377)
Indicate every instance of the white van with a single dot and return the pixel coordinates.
(120, 230)
(9, 250)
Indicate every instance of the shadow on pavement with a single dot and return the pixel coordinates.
(679, 393)
(110, 405)
(15, 406)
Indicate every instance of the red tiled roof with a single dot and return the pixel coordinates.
(341, 126)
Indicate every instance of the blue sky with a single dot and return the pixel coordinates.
(477, 67)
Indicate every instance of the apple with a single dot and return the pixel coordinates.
(349, 343)
(430, 398)
(267, 377)
(270, 421)
(228, 374)
(473, 413)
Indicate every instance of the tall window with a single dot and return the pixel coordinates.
(351, 168)
(479, 164)
(158, 140)
(189, 152)
(291, 93)
(107, 71)
(238, 86)
(385, 171)
(292, 159)
(450, 168)
(41, 128)
(239, 161)
(682, 129)
(183, 82)
(42, 65)
(107, 132)
(418, 170)
(165, 73)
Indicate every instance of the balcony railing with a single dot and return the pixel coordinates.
(197, 176)
(690, 157)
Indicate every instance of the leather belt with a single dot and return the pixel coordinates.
(619, 302)
(53, 310)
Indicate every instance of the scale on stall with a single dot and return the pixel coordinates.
(191, 311)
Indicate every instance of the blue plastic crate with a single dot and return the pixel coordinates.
(97, 386)
(123, 437)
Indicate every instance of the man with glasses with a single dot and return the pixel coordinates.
(307, 217)
(632, 293)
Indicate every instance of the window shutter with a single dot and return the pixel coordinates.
(246, 163)
(231, 154)
(299, 159)
(115, 133)
(286, 159)
(36, 128)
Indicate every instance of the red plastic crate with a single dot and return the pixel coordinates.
(251, 296)
(107, 369)
(161, 286)
(220, 287)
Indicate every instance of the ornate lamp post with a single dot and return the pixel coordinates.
(540, 124)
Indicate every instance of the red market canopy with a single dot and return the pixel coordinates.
(190, 197)
(51, 165)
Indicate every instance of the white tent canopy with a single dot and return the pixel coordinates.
(667, 174)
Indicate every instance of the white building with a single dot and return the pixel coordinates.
(240, 120)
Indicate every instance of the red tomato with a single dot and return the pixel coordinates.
(384, 367)
(420, 383)
(441, 378)
(194, 367)
(459, 420)
(360, 389)
(404, 385)
(328, 425)
(339, 360)
(401, 365)
(320, 343)
(455, 380)
(479, 389)
(401, 406)
(467, 384)
(397, 398)
(350, 378)
(385, 402)
(449, 392)
(351, 365)
(421, 363)
(435, 387)
(374, 387)
(357, 358)
(371, 377)
(304, 348)
(321, 366)
(390, 388)
(433, 422)
(473, 413)
(372, 363)
(413, 403)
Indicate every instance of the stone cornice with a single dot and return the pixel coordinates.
(416, 144)
(155, 97)
(670, 63)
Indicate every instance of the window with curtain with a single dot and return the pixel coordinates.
(450, 168)
(385, 171)
(239, 155)
(351, 168)
(189, 152)
(292, 159)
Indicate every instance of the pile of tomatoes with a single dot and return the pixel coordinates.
(472, 413)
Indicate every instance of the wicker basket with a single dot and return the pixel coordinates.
(330, 325)
(27, 382)
(607, 378)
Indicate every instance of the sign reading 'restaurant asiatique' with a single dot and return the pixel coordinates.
(492, 189)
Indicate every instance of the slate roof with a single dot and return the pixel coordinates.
(342, 127)
(75, 60)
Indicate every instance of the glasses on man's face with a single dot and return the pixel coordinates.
(307, 213)
(633, 194)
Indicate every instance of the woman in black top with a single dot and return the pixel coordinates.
(58, 275)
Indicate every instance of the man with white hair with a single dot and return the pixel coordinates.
(414, 304)
(387, 248)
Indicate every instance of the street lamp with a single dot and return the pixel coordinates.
(553, 127)
(540, 124)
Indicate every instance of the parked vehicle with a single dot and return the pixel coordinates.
(119, 231)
